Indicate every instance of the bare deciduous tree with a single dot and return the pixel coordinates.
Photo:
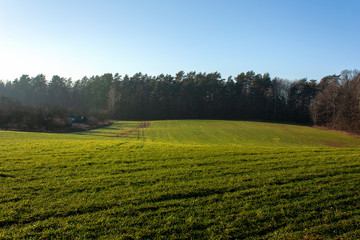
(113, 98)
(337, 105)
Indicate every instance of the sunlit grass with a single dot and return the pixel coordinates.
(133, 183)
(245, 133)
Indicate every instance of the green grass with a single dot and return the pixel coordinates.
(181, 180)
(245, 134)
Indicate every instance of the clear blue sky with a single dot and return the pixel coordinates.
(290, 39)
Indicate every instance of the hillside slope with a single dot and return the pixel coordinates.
(245, 133)
(170, 180)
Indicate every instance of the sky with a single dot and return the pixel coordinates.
(75, 38)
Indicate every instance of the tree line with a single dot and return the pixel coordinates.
(337, 103)
(193, 95)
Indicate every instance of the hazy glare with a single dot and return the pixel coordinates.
(289, 39)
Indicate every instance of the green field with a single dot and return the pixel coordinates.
(188, 179)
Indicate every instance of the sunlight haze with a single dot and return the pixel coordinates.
(288, 39)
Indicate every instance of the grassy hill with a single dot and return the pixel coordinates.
(180, 180)
(245, 133)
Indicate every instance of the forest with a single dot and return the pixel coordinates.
(36, 103)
